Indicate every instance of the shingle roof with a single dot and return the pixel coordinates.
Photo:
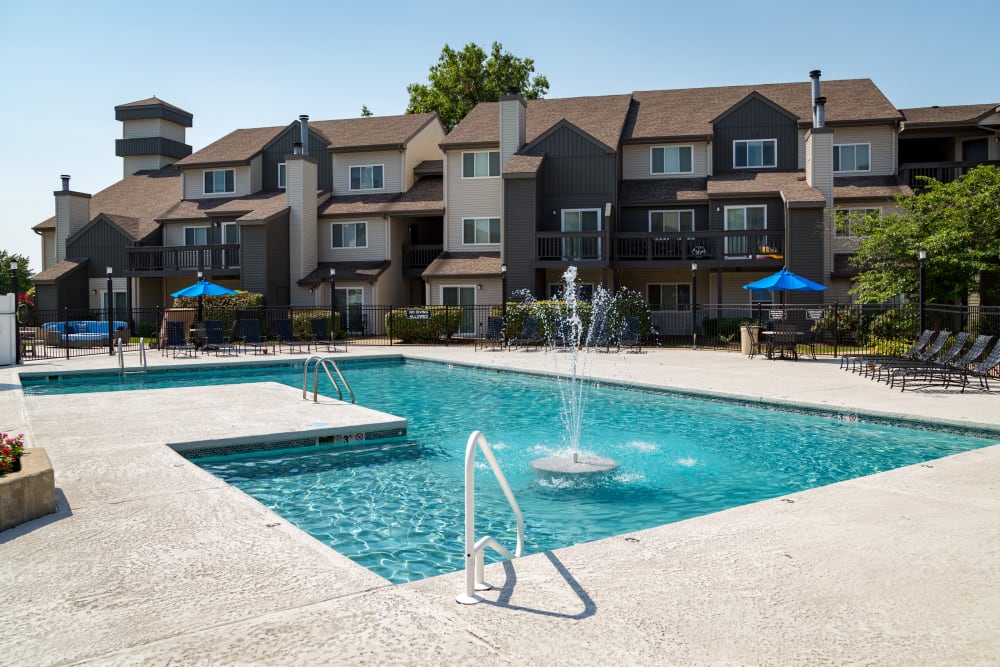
(523, 164)
(425, 197)
(372, 132)
(237, 147)
(791, 185)
(868, 187)
(464, 264)
(346, 271)
(689, 112)
(430, 168)
(258, 206)
(152, 101)
(601, 117)
(142, 197)
(58, 270)
(661, 191)
(966, 114)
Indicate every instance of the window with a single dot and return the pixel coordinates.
(191, 259)
(231, 236)
(196, 236)
(670, 160)
(281, 175)
(349, 235)
(669, 296)
(483, 164)
(851, 157)
(756, 153)
(464, 297)
(671, 221)
(220, 181)
(480, 230)
(745, 219)
(847, 218)
(366, 177)
(349, 303)
(581, 220)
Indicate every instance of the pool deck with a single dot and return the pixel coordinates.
(150, 560)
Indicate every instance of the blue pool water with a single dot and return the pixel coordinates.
(397, 509)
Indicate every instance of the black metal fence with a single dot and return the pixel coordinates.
(829, 329)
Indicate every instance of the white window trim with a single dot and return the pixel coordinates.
(207, 229)
(351, 288)
(675, 284)
(667, 173)
(282, 175)
(349, 222)
(462, 165)
(600, 218)
(362, 166)
(848, 209)
(236, 185)
(482, 217)
(725, 226)
(669, 210)
(836, 147)
(762, 166)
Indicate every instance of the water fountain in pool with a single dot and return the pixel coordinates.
(577, 342)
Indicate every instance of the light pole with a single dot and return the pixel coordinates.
(111, 316)
(333, 304)
(923, 274)
(200, 296)
(694, 304)
(17, 325)
(503, 302)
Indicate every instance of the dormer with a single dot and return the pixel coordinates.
(755, 134)
(233, 166)
(152, 134)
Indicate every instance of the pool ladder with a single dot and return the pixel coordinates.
(325, 363)
(474, 550)
(122, 371)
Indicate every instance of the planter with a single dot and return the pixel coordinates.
(29, 493)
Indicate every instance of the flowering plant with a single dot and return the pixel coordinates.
(11, 448)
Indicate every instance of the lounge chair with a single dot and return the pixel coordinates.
(861, 359)
(630, 338)
(981, 370)
(494, 334)
(932, 349)
(935, 373)
(941, 357)
(177, 339)
(250, 336)
(215, 340)
(285, 336)
(321, 335)
(529, 334)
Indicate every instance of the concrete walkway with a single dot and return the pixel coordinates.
(150, 560)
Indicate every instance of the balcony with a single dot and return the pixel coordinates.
(219, 259)
(945, 172)
(418, 257)
(555, 249)
(757, 247)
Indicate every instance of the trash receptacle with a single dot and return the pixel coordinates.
(749, 335)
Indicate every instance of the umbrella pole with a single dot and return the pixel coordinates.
(199, 307)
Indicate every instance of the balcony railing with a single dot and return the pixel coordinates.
(945, 172)
(571, 246)
(184, 259)
(758, 244)
(416, 258)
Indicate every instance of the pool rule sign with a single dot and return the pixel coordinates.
(418, 314)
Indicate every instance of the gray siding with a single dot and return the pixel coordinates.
(521, 199)
(103, 245)
(756, 119)
(264, 260)
(775, 211)
(805, 250)
(635, 219)
(281, 147)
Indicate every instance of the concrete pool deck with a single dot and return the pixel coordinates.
(151, 560)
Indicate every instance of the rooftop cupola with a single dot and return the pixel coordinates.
(152, 134)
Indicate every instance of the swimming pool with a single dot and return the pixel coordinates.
(396, 507)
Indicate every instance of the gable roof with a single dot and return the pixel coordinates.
(688, 113)
(426, 197)
(372, 132)
(789, 185)
(134, 202)
(258, 206)
(966, 114)
(601, 117)
(463, 265)
(237, 147)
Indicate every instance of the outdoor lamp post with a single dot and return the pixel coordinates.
(111, 315)
(503, 302)
(923, 275)
(17, 325)
(333, 303)
(694, 304)
(201, 277)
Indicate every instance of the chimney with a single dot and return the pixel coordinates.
(819, 115)
(301, 184)
(512, 123)
(814, 75)
(297, 148)
(304, 127)
(72, 213)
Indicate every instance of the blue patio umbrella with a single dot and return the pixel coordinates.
(785, 280)
(201, 289)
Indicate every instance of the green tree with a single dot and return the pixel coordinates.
(462, 79)
(23, 275)
(366, 112)
(957, 223)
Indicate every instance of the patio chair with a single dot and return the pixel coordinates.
(941, 373)
(861, 359)
(285, 336)
(494, 334)
(981, 370)
(177, 339)
(215, 340)
(931, 350)
(321, 335)
(250, 336)
(630, 338)
(529, 334)
(782, 339)
(753, 336)
(940, 356)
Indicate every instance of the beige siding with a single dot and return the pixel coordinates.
(133, 163)
(376, 250)
(152, 127)
(173, 234)
(468, 198)
(422, 147)
(489, 293)
(194, 183)
(802, 149)
(302, 233)
(512, 128)
(392, 165)
(48, 249)
(636, 160)
(882, 139)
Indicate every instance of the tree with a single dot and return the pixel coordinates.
(957, 223)
(462, 79)
(23, 275)
(366, 112)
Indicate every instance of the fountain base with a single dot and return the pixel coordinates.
(574, 464)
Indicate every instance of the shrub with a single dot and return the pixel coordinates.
(444, 322)
(898, 324)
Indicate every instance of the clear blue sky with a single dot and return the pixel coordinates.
(65, 65)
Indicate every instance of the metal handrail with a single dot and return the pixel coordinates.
(475, 550)
(121, 356)
(325, 363)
